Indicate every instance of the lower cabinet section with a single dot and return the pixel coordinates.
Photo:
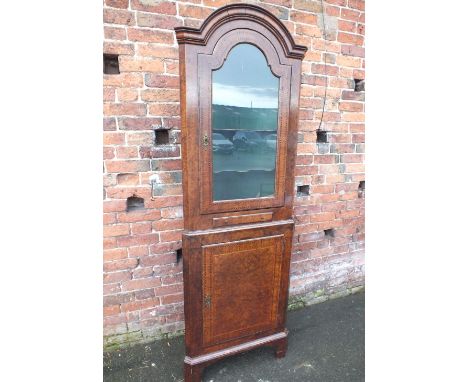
(236, 286)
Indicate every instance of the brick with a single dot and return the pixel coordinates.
(359, 74)
(154, 6)
(172, 213)
(351, 50)
(158, 81)
(356, 4)
(127, 152)
(117, 16)
(352, 158)
(139, 251)
(308, 30)
(163, 109)
(111, 310)
(109, 218)
(119, 265)
(351, 95)
(157, 259)
(332, 11)
(127, 165)
(113, 138)
(351, 106)
(148, 35)
(355, 167)
(328, 70)
(124, 109)
(160, 152)
(349, 38)
(125, 80)
(108, 95)
(113, 33)
(347, 26)
(145, 123)
(128, 64)
(108, 153)
(109, 123)
(116, 277)
(128, 179)
(173, 299)
(322, 217)
(165, 225)
(114, 205)
(140, 138)
(353, 62)
(283, 3)
(353, 117)
(139, 305)
(313, 80)
(120, 192)
(194, 11)
(280, 12)
(171, 67)
(350, 14)
(303, 17)
(361, 29)
(308, 5)
(158, 21)
(141, 228)
(117, 3)
(153, 50)
(170, 236)
(358, 138)
(115, 254)
(218, 3)
(127, 95)
(142, 272)
(118, 48)
(134, 240)
(160, 95)
(166, 164)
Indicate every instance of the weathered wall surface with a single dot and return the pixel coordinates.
(143, 296)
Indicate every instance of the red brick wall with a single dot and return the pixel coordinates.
(142, 280)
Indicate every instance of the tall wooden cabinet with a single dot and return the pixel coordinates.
(240, 80)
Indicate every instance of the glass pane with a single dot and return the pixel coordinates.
(244, 124)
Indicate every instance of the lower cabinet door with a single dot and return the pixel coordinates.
(241, 284)
(236, 284)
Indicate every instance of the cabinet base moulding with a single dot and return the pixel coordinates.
(194, 366)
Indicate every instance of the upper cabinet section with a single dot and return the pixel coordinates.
(240, 81)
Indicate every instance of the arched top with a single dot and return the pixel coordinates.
(232, 12)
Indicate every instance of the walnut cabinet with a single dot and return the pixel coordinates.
(240, 81)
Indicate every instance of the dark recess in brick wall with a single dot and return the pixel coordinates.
(179, 255)
(361, 188)
(322, 136)
(161, 136)
(111, 64)
(329, 232)
(135, 203)
(303, 190)
(359, 85)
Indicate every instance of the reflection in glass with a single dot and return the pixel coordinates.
(244, 124)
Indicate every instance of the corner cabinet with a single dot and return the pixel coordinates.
(240, 81)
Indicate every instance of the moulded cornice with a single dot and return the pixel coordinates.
(239, 11)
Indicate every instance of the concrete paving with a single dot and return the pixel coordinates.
(326, 344)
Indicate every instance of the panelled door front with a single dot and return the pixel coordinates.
(241, 282)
